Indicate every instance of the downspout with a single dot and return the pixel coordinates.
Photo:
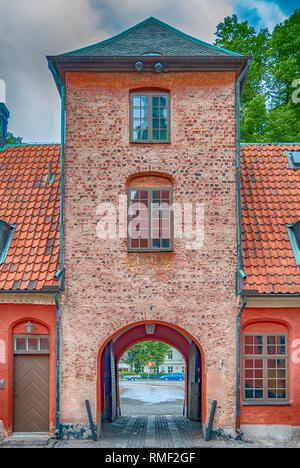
(240, 274)
(238, 367)
(238, 183)
(60, 275)
(57, 410)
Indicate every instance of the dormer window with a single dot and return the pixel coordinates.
(150, 117)
(6, 234)
(293, 159)
(294, 235)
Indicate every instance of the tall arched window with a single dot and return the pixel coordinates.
(150, 216)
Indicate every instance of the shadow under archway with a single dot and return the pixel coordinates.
(112, 350)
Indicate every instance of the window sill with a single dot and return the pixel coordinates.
(145, 142)
(149, 250)
(266, 403)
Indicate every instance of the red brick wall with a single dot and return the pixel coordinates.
(109, 288)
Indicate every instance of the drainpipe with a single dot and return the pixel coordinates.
(57, 419)
(60, 274)
(238, 366)
(240, 274)
(62, 160)
(238, 184)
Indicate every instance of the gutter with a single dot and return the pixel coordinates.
(238, 368)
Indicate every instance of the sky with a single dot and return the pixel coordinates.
(32, 29)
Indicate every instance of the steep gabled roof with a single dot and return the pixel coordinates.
(151, 36)
(270, 194)
(33, 205)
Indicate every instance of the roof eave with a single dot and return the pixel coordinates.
(256, 293)
(64, 64)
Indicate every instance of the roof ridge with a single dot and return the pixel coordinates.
(159, 22)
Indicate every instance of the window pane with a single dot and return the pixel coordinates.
(144, 195)
(144, 243)
(136, 124)
(136, 100)
(20, 344)
(136, 112)
(155, 134)
(144, 123)
(144, 111)
(163, 113)
(156, 243)
(155, 123)
(163, 101)
(144, 135)
(44, 344)
(165, 243)
(163, 135)
(32, 344)
(144, 101)
(155, 101)
(136, 135)
(134, 243)
(163, 124)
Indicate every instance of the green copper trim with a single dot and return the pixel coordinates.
(294, 236)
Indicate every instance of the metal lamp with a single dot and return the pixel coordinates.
(29, 327)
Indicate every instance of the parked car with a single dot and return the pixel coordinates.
(132, 377)
(172, 376)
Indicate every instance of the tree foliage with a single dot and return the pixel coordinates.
(12, 140)
(268, 111)
(138, 355)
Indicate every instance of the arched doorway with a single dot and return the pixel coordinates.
(113, 348)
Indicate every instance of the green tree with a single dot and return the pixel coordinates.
(138, 355)
(267, 110)
(12, 140)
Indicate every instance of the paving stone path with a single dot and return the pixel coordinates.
(156, 431)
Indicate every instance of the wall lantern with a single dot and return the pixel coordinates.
(158, 67)
(139, 66)
(29, 327)
(150, 328)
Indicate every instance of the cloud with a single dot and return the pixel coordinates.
(269, 13)
(194, 17)
(29, 31)
(260, 13)
(32, 29)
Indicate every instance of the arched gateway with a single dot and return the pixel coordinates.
(108, 397)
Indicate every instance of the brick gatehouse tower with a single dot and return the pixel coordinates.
(151, 231)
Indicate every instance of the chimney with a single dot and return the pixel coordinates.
(4, 116)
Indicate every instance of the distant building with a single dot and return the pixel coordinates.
(174, 362)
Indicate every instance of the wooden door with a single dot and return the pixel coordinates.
(31, 393)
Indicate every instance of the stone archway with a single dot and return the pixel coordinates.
(113, 348)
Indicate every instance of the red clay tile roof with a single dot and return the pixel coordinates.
(270, 196)
(31, 203)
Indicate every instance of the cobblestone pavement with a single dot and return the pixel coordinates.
(161, 432)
